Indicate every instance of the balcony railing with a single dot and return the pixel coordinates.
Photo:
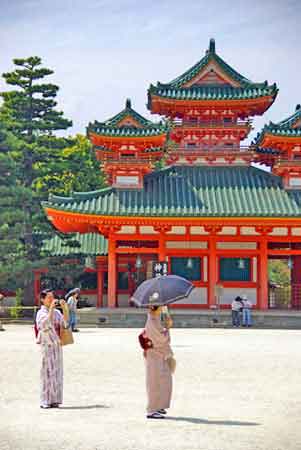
(212, 123)
(210, 149)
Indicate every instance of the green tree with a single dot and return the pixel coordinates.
(29, 116)
(76, 171)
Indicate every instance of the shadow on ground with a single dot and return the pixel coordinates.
(212, 422)
(84, 407)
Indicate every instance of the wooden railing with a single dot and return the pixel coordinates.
(178, 123)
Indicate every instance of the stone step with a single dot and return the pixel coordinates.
(194, 319)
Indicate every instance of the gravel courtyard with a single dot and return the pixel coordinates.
(233, 390)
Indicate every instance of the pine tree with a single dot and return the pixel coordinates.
(30, 119)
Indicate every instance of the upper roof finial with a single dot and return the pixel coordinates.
(128, 103)
(212, 46)
(298, 107)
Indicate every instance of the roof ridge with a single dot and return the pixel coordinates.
(211, 55)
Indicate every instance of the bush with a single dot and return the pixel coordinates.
(15, 311)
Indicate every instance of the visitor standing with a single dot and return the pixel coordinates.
(49, 322)
(72, 298)
(246, 312)
(236, 307)
(159, 363)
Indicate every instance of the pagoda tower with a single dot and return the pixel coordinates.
(279, 146)
(127, 145)
(210, 106)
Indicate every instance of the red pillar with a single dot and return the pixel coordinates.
(212, 272)
(37, 287)
(99, 302)
(112, 273)
(162, 248)
(296, 282)
(263, 292)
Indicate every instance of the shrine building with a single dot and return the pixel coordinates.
(208, 213)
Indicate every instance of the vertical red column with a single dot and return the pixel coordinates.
(162, 248)
(263, 297)
(99, 302)
(112, 273)
(296, 282)
(212, 272)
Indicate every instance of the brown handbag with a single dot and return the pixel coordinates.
(66, 336)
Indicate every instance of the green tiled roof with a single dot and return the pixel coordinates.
(111, 128)
(212, 93)
(174, 89)
(196, 191)
(89, 244)
(283, 128)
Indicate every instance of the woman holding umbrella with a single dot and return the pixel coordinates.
(159, 361)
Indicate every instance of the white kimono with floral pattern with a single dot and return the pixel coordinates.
(52, 356)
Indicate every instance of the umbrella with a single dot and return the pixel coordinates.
(162, 291)
(72, 292)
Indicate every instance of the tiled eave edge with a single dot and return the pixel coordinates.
(97, 223)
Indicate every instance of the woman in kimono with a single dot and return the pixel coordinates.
(49, 322)
(159, 360)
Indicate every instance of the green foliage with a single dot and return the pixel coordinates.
(15, 311)
(279, 272)
(34, 162)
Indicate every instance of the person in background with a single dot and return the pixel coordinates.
(1, 299)
(72, 298)
(49, 322)
(159, 363)
(235, 307)
(246, 312)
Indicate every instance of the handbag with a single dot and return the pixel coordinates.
(172, 363)
(66, 336)
(144, 341)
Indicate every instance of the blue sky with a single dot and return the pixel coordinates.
(105, 51)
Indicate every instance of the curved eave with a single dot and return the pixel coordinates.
(70, 222)
(269, 139)
(157, 103)
(100, 140)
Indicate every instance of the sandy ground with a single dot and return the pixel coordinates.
(233, 389)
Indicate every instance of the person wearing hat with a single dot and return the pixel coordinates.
(246, 312)
(72, 298)
(159, 363)
(49, 322)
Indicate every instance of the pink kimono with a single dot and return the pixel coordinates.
(52, 356)
(158, 373)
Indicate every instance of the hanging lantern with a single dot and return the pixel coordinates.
(189, 264)
(138, 263)
(241, 263)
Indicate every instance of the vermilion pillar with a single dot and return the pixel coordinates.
(112, 273)
(212, 272)
(99, 302)
(263, 292)
(162, 247)
(296, 282)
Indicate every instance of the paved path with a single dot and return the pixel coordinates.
(234, 390)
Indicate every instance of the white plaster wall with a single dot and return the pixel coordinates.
(248, 231)
(279, 231)
(198, 296)
(123, 300)
(296, 231)
(230, 293)
(228, 230)
(237, 245)
(186, 244)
